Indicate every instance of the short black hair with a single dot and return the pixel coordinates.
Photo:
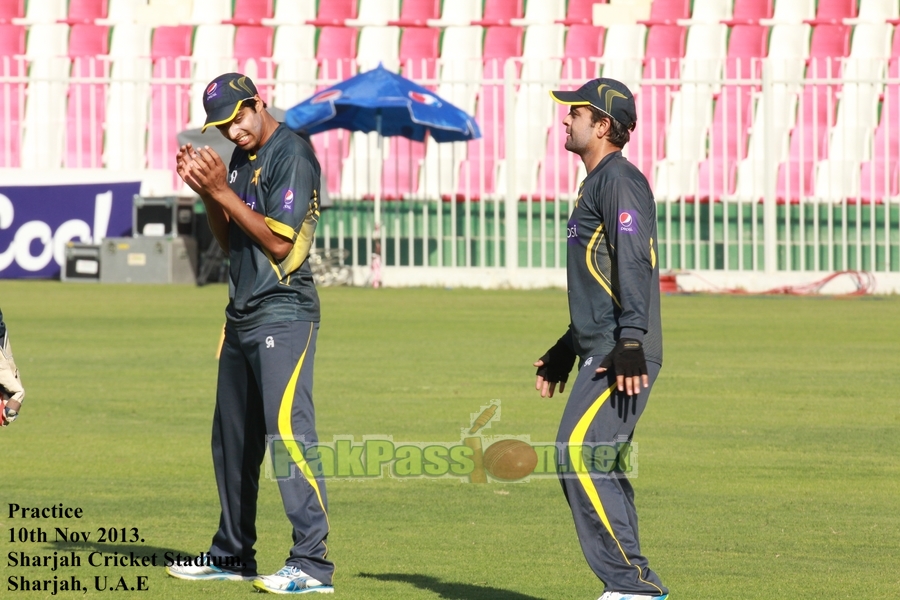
(618, 135)
(251, 103)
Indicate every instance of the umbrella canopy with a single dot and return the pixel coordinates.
(382, 101)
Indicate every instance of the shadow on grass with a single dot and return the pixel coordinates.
(450, 590)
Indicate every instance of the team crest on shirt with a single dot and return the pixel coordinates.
(627, 222)
(287, 202)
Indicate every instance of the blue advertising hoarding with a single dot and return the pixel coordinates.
(36, 223)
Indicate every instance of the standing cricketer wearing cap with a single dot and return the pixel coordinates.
(263, 211)
(613, 285)
(11, 391)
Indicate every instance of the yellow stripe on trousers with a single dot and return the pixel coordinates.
(576, 456)
(287, 432)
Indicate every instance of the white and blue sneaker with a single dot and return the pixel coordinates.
(291, 580)
(621, 596)
(205, 573)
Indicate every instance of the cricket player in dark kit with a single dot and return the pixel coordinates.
(262, 209)
(613, 285)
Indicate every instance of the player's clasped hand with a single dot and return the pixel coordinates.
(554, 367)
(203, 169)
(630, 366)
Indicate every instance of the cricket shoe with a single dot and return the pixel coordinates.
(620, 596)
(205, 573)
(291, 580)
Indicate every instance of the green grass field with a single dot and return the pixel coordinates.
(768, 461)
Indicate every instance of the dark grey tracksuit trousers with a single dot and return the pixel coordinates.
(265, 388)
(596, 420)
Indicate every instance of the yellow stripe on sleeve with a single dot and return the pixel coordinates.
(281, 229)
(596, 239)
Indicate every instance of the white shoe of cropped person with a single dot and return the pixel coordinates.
(291, 580)
(206, 573)
(621, 596)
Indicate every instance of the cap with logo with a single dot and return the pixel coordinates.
(606, 95)
(223, 97)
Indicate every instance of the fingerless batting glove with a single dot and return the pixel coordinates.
(627, 358)
(558, 362)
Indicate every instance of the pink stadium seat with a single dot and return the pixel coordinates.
(499, 12)
(648, 139)
(583, 43)
(331, 148)
(808, 142)
(878, 180)
(834, 12)
(169, 101)
(12, 39)
(171, 42)
(879, 176)
(733, 112)
(415, 13)
(401, 170)
(477, 177)
(715, 179)
(86, 11)
(795, 180)
(87, 40)
(556, 176)
(815, 113)
(12, 95)
(747, 46)
(728, 142)
(336, 53)
(580, 12)
(86, 112)
(419, 51)
(11, 9)
(250, 12)
(334, 13)
(253, 45)
(500, 44)
(489, 114)
(662, 62)
(667, 12)
(830, 43)
(665, 49)
(749, 12)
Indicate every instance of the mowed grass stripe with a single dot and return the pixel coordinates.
(767, 457)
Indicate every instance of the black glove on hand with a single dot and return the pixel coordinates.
(626, 359)
(558, 363)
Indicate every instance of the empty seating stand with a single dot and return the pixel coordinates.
(169, 92)
(12, 93)
(86, 113)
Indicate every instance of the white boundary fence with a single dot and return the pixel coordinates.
(810, 185)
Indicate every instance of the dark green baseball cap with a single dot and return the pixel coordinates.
(223, 97)
(606, 95)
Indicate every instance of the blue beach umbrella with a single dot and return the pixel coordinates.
(387, 103)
